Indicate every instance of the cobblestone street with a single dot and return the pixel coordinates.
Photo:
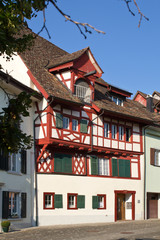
(135, 230)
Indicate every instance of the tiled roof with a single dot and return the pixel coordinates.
(130, 108)
(67, 58)
(44, 54)
(41, 54)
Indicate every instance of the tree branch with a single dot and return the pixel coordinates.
(80, 25)
(139, 11)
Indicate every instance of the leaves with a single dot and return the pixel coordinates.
(12, 137)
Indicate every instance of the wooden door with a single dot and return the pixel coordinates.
(120, 206)
(152, 205)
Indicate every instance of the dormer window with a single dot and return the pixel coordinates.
(82, 90)
(117, 100)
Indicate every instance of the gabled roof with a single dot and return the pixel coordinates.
(68, 57)
(36, 59)
(155, 92)
(144, 95)
(44, 53)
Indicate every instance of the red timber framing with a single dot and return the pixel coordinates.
(133, 201)
(74, 141)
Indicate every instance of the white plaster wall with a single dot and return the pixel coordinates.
(136, 137)
(17, 69)
(61, 184)
(66, 75)
(17, 182)
(134, 169)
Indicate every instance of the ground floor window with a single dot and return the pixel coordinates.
(52, 200)
(75, 201)
(14, 205)
(99, 201)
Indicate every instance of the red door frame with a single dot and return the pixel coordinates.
(133, 201)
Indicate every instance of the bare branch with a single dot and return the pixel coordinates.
(139, 11)
(141, 14)
(80, 25)
(127, 3)
(44, 25)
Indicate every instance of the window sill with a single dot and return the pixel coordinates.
(15, 219)
(15, 173)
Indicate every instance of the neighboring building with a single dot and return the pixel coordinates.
(17, 170)
(88, 135)
(152, 156)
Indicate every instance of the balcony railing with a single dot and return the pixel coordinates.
(83, 93)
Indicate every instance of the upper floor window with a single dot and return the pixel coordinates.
(65, 122)
(121, 133)
(106, 130)
(17, 162)
(155, 157)
(114, 131)
(117, 100)
(74, 125)
(99, 166)
(128, 134)
(82, 90)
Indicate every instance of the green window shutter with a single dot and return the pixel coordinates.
(58, 162)
(58, 202)
(94, 202)
(59, 120)
(94, 165)
(122, 167)
(80, 201)
(67, 163)
(127, 168)
(83, 126)
(114, 167)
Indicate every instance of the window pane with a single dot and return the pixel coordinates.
(71, 201)
(106, 167)
(101, 201)
(106, 130)
(48, 200)
(114, 131)
(128, 134)
(74, 125)
(65, 123)
(100, 166)
(121, 133)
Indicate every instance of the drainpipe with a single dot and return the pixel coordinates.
(92, 130)
(145, 170)
(35, 160)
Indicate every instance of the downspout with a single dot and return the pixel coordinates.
(35, 160)
(92, 130)
(145, 170)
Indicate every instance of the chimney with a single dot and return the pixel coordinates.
(150, 103)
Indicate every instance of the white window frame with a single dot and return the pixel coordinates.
(114, 131)
(65, 123)
(74, 125)
(15, 213)
(103, 167)
(106, 130)
(121, 133)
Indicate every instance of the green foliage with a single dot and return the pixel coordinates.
(5, 223)
(12, 137)
(13, 16)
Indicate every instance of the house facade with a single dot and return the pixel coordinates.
(152, 157)
(88, 139)
(17, 170)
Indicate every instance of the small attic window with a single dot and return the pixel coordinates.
(82, 90)
(117, 100)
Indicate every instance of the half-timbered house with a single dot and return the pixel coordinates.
(88, 139)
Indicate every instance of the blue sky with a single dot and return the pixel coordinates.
(128, 55)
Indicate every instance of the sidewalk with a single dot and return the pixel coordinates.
(128, 230)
